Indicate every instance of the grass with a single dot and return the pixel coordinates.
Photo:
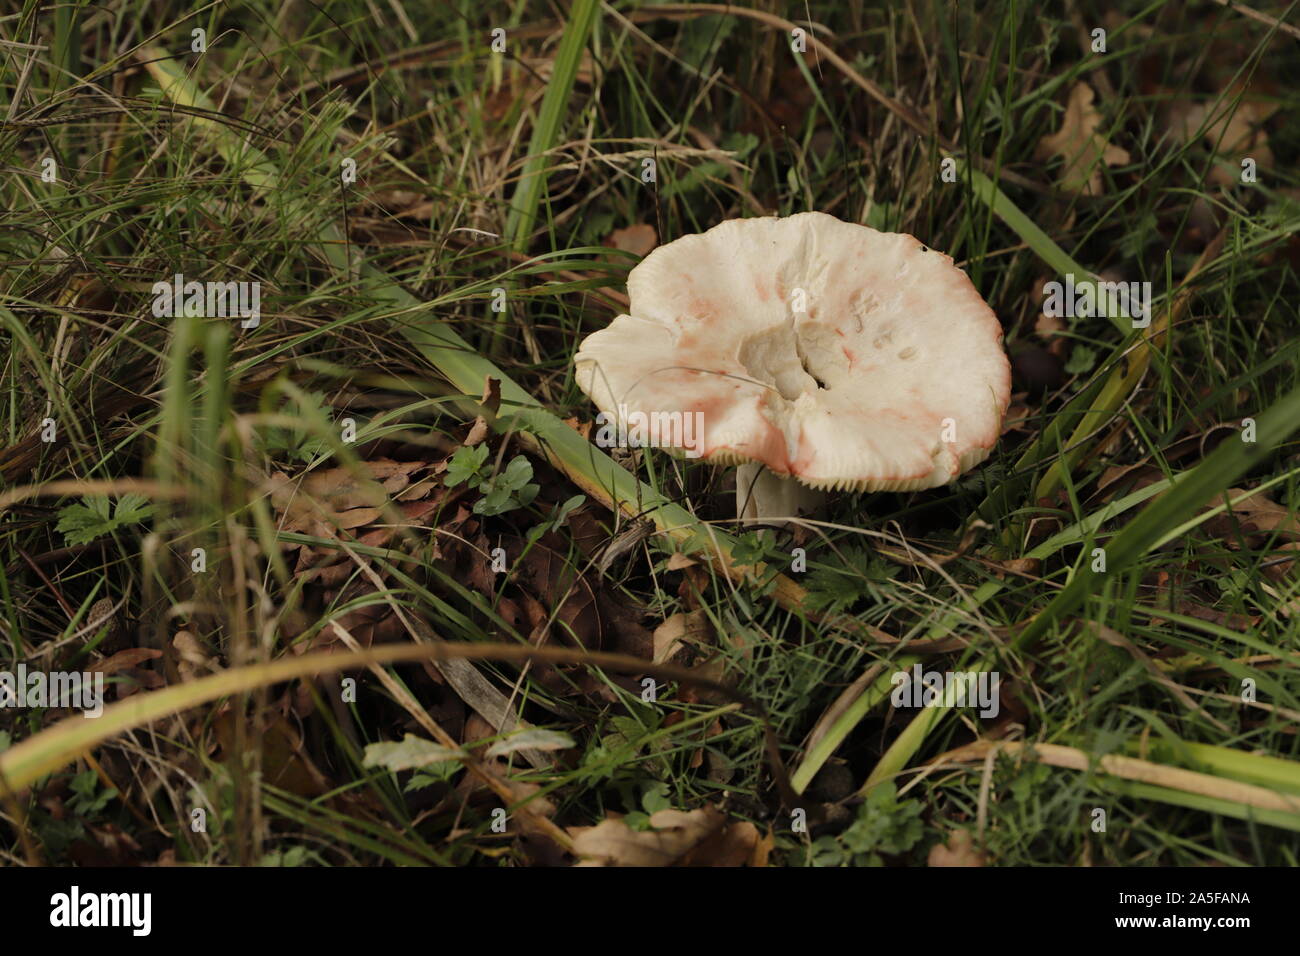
(489, 179)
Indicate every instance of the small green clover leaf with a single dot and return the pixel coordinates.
(465, 465)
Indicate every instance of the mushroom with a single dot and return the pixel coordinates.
(815, 353)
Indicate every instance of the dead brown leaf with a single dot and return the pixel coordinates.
(673, 635)
(737, 844)
(1016, 418)
(702, 837)
(1084, 149)
(581, 427)
(638, 239)
(490, 403)
(1256, 518)
(477, 432)
(958, 851)
(125, 660)
(193, 659)
(1235, 134)
(1022, 566)
(340, 498)
(677, 561)
(285, 763)
(1049, 329)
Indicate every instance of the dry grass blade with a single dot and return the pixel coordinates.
(1130, 768)
(28, 761)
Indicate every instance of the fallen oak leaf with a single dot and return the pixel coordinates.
(673, 832)
(345, 488)
(701, 837)
(1235, 131)
(1084, 150)
(338, 498)
(1255, 513)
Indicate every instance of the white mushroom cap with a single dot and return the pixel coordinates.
(891, 377)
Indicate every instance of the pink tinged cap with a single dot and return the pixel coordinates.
(840, 356)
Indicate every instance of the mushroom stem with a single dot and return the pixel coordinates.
(764, 497)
